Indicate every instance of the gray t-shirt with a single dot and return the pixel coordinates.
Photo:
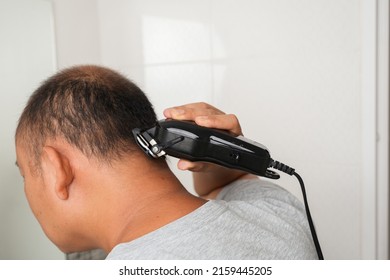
(250, 219)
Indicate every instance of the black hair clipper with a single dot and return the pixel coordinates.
(187, 140)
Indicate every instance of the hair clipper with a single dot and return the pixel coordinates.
(187, 140)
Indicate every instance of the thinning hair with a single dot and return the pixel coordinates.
(93, 108)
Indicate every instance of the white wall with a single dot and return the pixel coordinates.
(291, 71)
(26, 57)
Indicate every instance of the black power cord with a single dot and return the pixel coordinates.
(291, 171)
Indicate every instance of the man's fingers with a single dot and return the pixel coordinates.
(225, 122)
(191, 111)
(200, 106)
(188, 113)
(205, 115)
(191, 166)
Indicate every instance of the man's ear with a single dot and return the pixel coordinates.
(57, 172)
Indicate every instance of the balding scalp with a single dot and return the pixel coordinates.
(93, 108)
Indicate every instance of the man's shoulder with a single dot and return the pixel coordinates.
(253, 189)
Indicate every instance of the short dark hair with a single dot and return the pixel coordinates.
(91, 107)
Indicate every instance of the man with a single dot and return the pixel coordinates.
(90, 186)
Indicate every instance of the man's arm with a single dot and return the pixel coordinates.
(208, 178)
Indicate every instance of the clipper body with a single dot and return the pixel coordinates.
(187, 140)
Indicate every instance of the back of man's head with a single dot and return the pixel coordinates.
(91, 107)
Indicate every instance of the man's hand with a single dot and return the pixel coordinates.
(209, 178)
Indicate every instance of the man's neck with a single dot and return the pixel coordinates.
(138, 205)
